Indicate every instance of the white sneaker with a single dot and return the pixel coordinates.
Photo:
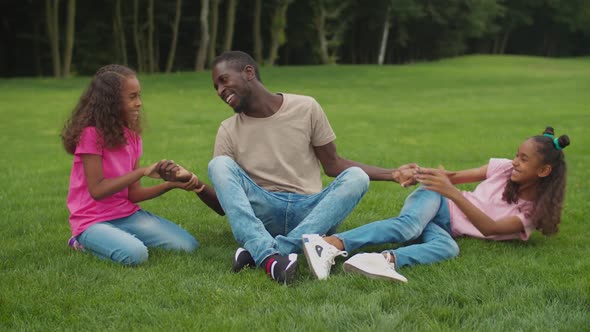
(373, 265)
(320, 255)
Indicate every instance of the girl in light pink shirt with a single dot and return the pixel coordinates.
(514, 198)
(103, 134)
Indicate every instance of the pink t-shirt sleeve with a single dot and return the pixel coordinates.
(88, 143)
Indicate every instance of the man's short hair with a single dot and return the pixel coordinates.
(238, 60)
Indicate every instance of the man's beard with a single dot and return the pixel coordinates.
(244, 100)
(239, 108)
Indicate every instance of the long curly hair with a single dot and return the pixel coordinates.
(550, 191)
(100, 106)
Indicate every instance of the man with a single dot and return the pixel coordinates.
(267, 177)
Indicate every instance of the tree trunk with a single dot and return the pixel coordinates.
(505, 37)
(137, 37)
(256, 34)
(70, 32)
(330, 27)
(229, 24)
(278, 38)
(214, 21)
(320, 24)
(150, 37)
(37, 49)
(384, 38)
(119, 31)
(51, 17)
(172, 52)
(204, 42)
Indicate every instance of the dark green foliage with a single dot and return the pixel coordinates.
(420, 30)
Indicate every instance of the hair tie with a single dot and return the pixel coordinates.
(556, 143)
(548, 135)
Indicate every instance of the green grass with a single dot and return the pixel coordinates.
(457, 112)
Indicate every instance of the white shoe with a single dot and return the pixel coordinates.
(320, 255)
(373, 265)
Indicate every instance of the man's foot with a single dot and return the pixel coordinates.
(242, 259)
(281, 268)
(320, 255)
(373, 265)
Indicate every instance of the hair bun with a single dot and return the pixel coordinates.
(563, 141)
(549, 131)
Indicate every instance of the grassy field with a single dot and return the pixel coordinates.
(457, 112)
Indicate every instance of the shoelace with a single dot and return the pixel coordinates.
(333, 252)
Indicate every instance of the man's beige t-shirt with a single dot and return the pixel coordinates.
(277, 151)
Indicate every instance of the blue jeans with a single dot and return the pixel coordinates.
(267, 223)
(125, 240)
(424, 217)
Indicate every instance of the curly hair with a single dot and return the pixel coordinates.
(100, 106)
(550, 191)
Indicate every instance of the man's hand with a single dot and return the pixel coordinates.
(191, 185)
(405, 175)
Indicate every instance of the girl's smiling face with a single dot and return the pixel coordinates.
(131, 99)
(528, 165)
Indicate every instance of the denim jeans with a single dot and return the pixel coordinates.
(267, 223)
(424, 218)
(125, 240)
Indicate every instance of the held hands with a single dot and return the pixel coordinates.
(405, 175)
(437, 180)
(169, 171)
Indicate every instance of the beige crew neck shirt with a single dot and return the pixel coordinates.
(277, 151)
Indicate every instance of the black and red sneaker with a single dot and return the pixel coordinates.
(242, 259)
(281, 268)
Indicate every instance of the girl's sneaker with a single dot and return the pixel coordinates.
(373, 265)
(74, 244)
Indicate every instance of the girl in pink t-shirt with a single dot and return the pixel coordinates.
(514, 198)
(103, 134)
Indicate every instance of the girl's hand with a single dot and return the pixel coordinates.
(152, 171)
(171, 171)
(436, 180)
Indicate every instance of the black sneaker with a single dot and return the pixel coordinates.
(281, 268)
(242, 259)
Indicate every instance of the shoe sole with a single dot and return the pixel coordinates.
(353, 269)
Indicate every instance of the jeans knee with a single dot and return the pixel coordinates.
(221, 169)
(219, 163)
(133, 255)
(453, 248)
(357, 178)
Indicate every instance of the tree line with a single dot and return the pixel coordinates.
(68, 37)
